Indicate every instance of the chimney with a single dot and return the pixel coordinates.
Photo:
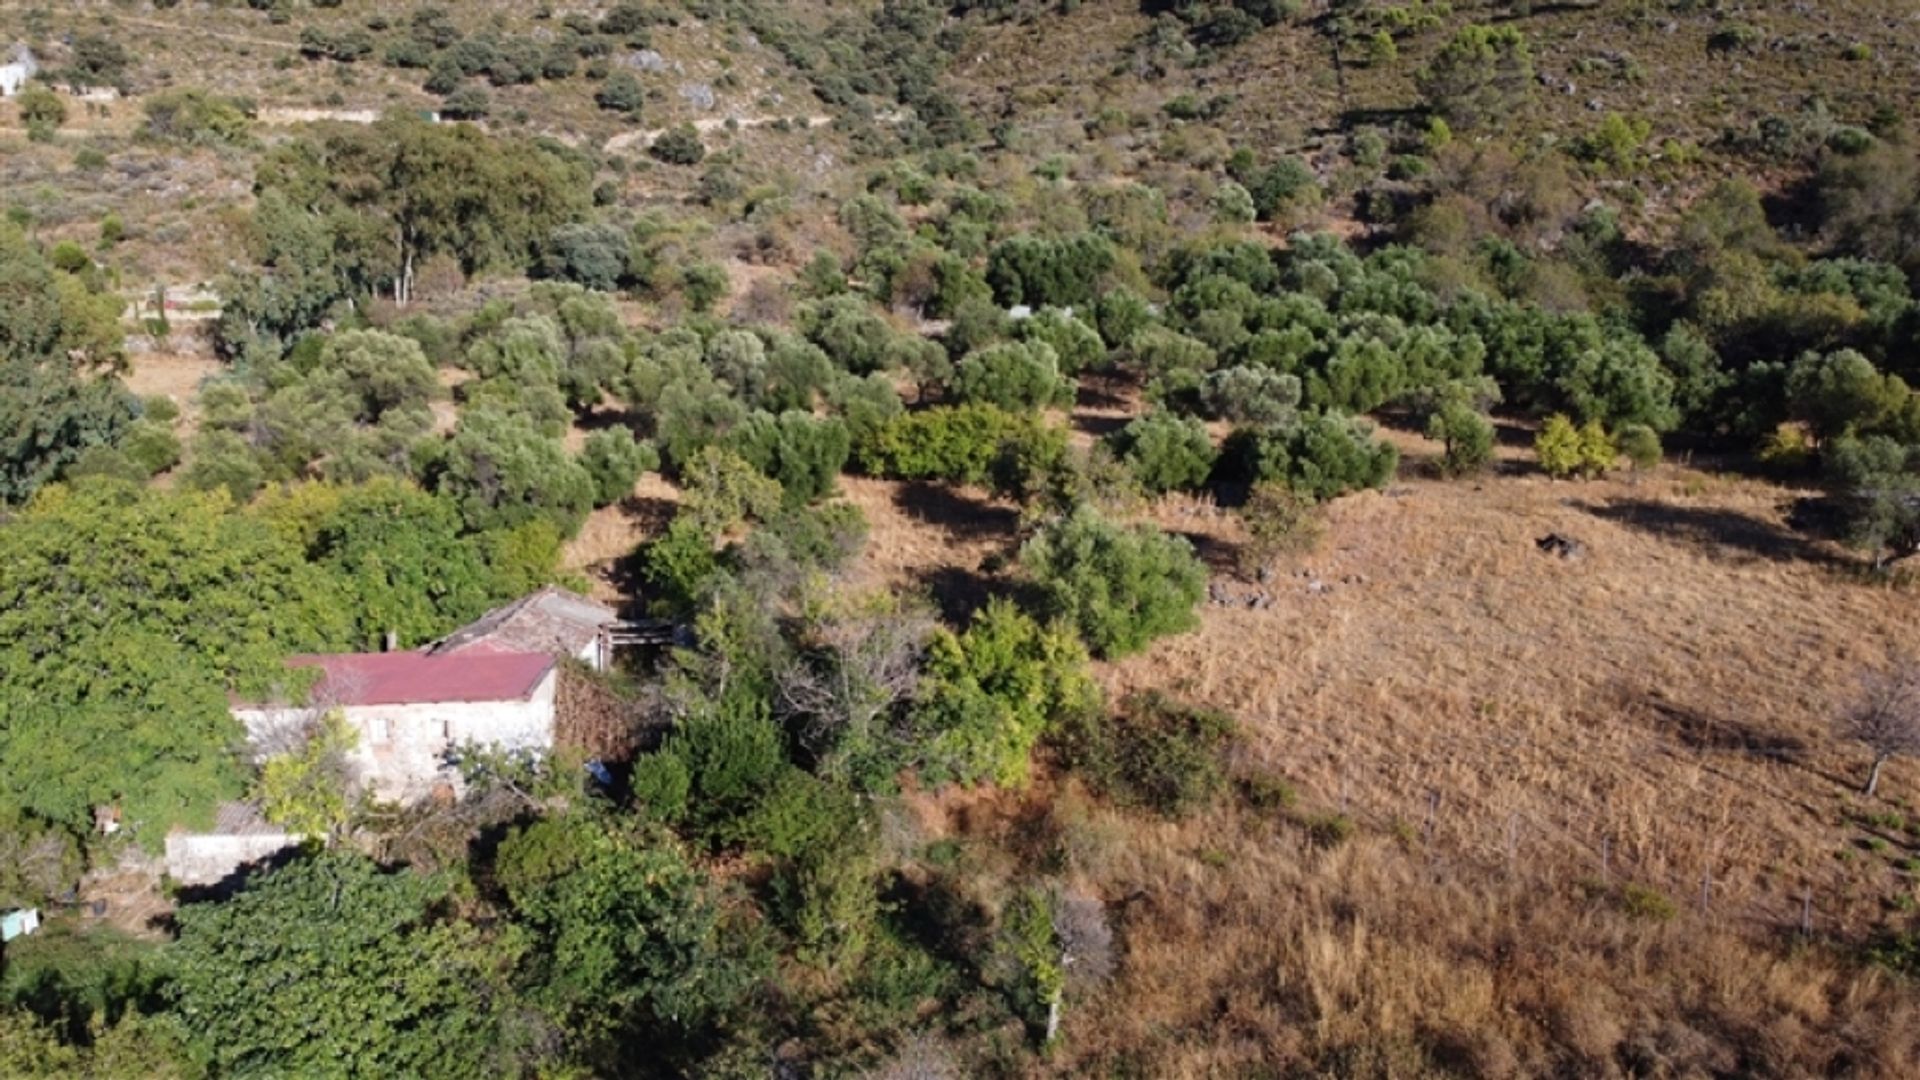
(393, 640)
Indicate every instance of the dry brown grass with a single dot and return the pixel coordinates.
(1661, 704)
(1519, 738)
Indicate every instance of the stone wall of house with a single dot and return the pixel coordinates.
(402, 749)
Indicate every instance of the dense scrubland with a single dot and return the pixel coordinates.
(1240, 538)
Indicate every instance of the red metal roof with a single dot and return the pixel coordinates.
(411, 678)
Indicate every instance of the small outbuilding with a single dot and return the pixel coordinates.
(552, 620)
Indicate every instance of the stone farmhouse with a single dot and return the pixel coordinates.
(492, 683)
(413, 711)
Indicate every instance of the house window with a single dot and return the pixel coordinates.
(380, 731)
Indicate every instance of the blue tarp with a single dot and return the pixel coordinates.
(19, 923)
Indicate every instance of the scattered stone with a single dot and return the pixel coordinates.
(699, 95)
(1563, 547)
(645, 60)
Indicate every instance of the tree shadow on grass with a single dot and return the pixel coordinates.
(1713, 531)
(1102, 393)
(1708, 734)
(1220, 556)
(1720, 735)
(627, 573)
(959, 593)
(961, 517)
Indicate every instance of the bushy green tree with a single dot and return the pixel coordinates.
(399, 556)
(1166, 452)
(805, 453)
(1120, 587)
(591, 254)
(1012, 376)
(125, 617)
(1250, 395)
(1039, 271)
(1840, 392)
(615, 459)
(628, 939)
(1479, 76)
(1320, 455)
(958, 443)
(989, 695)
(1076, 345)
(1465, 436)
(331, 966)
(851, 332)
(60, 342)
(1877, 482)
(502, 472)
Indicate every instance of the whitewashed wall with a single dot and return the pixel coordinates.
(207, 858)
(402, 748)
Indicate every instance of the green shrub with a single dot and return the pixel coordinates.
(41, 111)
(195, 116)
(1012, 376)
(1329, 831)
(1165, 452)
(1466, 438)
(679, 145)
(989, 695)
(621, 93)
(615, 459)
(1646, 902)
(1121, 586)
(703, 284)
(150, 444)
(1641, 445)
(958, 444)
(1155, 752)
(1279, 521)
(733, 754)
(1557, 447)
(1322, 456)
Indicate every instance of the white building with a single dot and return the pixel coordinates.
(20, 67)
(413, 710)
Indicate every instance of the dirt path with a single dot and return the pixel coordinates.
(629, 139)
(175, 28)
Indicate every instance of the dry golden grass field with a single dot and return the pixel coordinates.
(1544, 760)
